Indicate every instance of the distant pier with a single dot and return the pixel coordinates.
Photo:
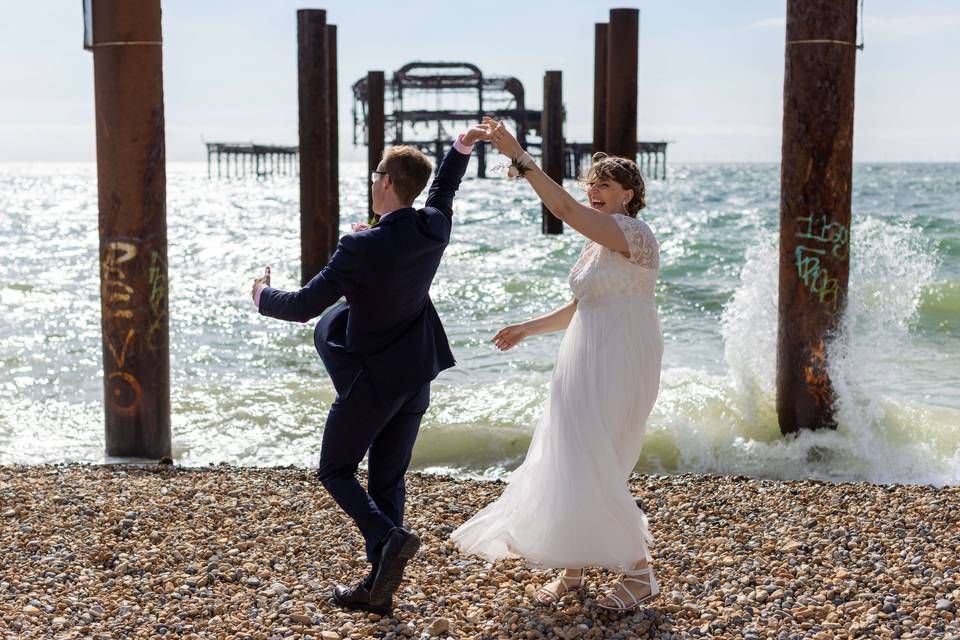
(242, 159)
(651, 158)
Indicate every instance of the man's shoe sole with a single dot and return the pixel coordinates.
(389, 578)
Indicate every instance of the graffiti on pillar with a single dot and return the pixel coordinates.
(819, 239)
(124, 392)
(157, 300)
(815, 375)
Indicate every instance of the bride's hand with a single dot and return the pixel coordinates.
(504, 140)
(509, 337)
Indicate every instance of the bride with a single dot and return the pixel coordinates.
(568, 505)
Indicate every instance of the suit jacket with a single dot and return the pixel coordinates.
(388, 326)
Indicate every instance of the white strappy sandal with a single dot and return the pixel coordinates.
(641, 576)
(548, 597)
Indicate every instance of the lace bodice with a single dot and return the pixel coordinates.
(602, 273)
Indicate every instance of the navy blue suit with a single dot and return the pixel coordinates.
(381, 347)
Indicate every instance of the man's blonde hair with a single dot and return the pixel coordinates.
(409, 170)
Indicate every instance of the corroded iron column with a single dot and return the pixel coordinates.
(599, 85)
(552, 145)
(621, 112)
(131, 192)
(319, 218)
(333, 130)
(375, 129)
(816, 178)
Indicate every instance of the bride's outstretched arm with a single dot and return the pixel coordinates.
(558, 320)
(599, 227)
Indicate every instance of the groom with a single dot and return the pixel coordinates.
(381, 347)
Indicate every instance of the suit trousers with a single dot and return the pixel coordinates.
(362, 422)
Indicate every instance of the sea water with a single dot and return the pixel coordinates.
(249, 390)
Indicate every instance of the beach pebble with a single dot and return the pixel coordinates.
(438, 627)
(253, 554)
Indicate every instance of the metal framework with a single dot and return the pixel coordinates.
(428, 102)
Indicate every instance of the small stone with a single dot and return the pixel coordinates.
(301, 618)
(330, 635)
(437, 627)
(945, 605)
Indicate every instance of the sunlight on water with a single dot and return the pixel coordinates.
(250, 391)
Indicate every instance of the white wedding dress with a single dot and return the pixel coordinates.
(568, 504)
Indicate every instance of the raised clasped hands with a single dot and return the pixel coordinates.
(501, 137)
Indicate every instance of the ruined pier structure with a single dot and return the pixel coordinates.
(405, 108)
(239, 159)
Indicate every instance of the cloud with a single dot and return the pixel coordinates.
(882, 26)
(766, 24)
(901, 26)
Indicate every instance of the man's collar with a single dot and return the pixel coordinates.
(395, 215)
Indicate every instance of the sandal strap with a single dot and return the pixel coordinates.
(553, 595)
(618, 600)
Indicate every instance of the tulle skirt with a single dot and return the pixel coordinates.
(568, 504)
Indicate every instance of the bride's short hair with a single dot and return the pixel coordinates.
(624, 172)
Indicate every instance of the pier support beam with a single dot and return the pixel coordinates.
(319, 216)
(132, 193)
(599, 86)
(552, 146)
(620, 137)
(333, 130)
(375, 129)
(816, 179)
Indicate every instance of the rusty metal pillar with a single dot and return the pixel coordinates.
(599, 85)
(552, 145)
(620, 137)
(319, 218)
(375, 129)
(815, 192)
(132, 193)
(334, 131)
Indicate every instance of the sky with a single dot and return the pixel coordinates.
(710, 77)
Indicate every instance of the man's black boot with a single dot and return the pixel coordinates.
(358, 597)
(398, 547)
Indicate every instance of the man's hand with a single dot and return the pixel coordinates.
(476, 133)
(359, 226)
(261, 282)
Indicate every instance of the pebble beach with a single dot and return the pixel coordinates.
(228, 552)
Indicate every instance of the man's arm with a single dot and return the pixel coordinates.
(341, 276)
(451, 171)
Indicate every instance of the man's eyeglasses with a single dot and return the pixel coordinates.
(376, 175)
